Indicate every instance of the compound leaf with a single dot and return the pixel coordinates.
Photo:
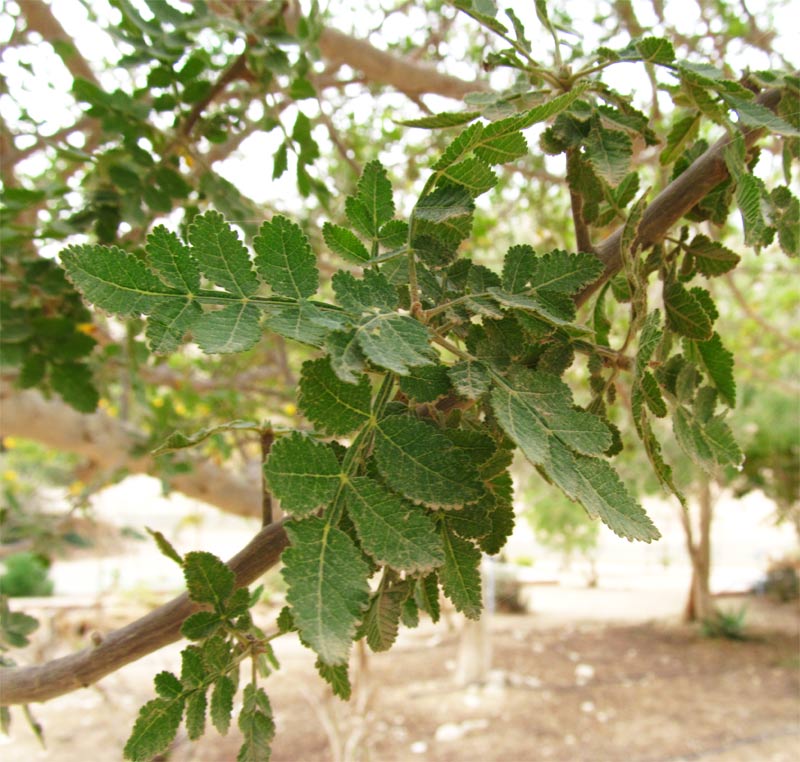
(257, 726)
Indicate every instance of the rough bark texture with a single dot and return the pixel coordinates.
(23, 685)
(109, 444)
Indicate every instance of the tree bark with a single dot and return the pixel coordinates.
(110, 444)
(24, 685)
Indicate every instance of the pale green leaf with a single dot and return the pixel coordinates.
(284, 258)
(461, 574)
(534, 407)
(303, 322)
(503, 149)
(683, 131)
(168, 325)
(752, 114)
(178, 440)
(685, 313)
(470, 379)
(598, 488)
(346, 357)
(327, 587)
(208, 579)
(461, 146)
(331, 404)
(302, 474)
(395, 342)
(155, 729)
(165, 546)
(443, 203)
(426, 596)
(445, 119)
(609, 152)
(421, 463)
(473, 174)
(391, 530)
(709, 444)
(222, 257)
(234, 328)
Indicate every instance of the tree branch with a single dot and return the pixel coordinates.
(23, 685)
(708, 171)
(111, 444)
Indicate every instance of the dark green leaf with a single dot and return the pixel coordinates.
(285, 260)
(200, 625)
(155, 728)
(208, 579)
(685, 313)
(196, 714)
(426, 384)
(256, 725)
(337, 677)
(392, 531)
(461, 575)
(711, 258)
(74, 382)
(302, 474)
(333, 406)
(222, 703)
(445, 119)
(718, 363)
(327, 587)
(344, 243)
(422, 464)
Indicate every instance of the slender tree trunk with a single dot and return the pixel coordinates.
(699, 605)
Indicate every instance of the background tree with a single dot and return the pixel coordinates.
(448, 294)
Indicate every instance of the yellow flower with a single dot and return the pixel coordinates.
(180, 408)
(290, 408)
(158, 402)
(10, 476)
(87, 328)
(203, 409)
(10, 443)
(76, 487)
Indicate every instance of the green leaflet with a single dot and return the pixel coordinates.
(367, 294)
(285, 260)
(685, 313)
(444, 203)
(232, 329)
(155, 728)
(375, 193)
(303, 322)
(596, 486)
(445, 119)
(222, 256)
(346, 357)
(518, 266)
(332, 405)
(609, 152)
(256, 725)
(221, 707)
(533, 407)
(196, 706)
(710, 443)
(718, 363)
(564, 272)
(469, 378)
(73, 381)
(461, 574)
(178, 440)
(473, 174)
(753, 114)
(421, 463)
(336, 677)
(172, 260)
(711, 258)
(426, 384)
(208, 579)
(382, 620)
(344, 243)
(302, 474)
(395, 342)
(392, 531)
(327, 587)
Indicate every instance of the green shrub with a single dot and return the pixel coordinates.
(27, 574)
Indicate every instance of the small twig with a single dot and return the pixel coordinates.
(267, 438)
(582, 237)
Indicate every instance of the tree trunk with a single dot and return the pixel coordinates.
(699, 605)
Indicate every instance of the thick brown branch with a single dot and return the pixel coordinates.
(110, 444)
(708, 171)
(23, 685)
